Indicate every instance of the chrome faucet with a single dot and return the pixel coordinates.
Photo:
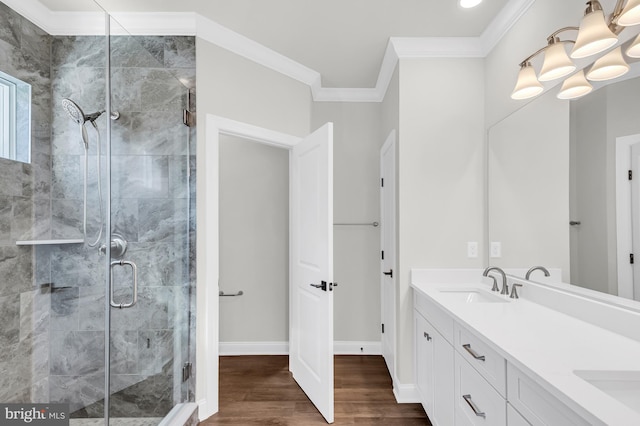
(541, 268)
(505, 287)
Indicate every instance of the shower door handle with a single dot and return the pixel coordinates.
(134, 272)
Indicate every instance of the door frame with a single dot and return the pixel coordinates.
(207, 254)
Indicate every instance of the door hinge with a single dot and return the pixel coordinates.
(630, 174)
(382, 253)
(187, 118)
(382, 328)
(631, 258)
(382, 182)
(186, 371)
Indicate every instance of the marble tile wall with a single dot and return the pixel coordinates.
(153, 195)
(24, 215)
(52, 297)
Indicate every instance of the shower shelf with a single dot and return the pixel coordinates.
(48, 242)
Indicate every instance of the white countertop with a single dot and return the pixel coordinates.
(548, 346)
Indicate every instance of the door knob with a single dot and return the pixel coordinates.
(390, 273)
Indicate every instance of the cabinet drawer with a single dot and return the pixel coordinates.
(488, 362)
(435, 315)
(537, 405)
(476, 401)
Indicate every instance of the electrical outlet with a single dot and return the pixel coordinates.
(472, 249)
(496, 249)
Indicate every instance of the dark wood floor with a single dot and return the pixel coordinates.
(259, 390)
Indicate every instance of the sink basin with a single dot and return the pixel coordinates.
(623, 386)
(471, 296)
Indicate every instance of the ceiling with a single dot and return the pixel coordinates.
(344, 40)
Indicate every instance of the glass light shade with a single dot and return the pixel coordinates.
(556, 63)
(630, 14)
(527, 85)
(609, 66)
(634, 50)
(467, 4)
(575, 86)
(594, 36)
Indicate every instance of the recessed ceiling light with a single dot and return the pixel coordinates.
(469, 3)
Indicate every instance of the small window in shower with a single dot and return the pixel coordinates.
(15, 118)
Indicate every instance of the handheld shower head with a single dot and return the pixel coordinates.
(74, 111)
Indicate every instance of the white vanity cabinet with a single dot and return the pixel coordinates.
(463, 380)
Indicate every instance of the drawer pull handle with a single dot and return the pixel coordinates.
(427, 336)
(475, 409)
(472, 352)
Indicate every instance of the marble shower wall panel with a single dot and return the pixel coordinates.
(153, 188)
(25, 212)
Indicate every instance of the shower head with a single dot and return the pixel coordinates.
(75, 112)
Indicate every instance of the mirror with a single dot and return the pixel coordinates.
(15, 118)
(558, 188)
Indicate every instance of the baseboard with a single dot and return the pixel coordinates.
(254, 348)
(282, 348)
(357, 348)
(184, 414)
(405, 393)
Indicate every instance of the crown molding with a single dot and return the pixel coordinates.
(504, 20)
(225, 38)
(157, 23)
(188, 23)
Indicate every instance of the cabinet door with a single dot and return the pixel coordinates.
(514, 418)
(434, 372)
(425, 362)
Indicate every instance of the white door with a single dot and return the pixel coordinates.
(311, 295)
(388, 250)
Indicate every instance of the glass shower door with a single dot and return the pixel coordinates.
(151, 202)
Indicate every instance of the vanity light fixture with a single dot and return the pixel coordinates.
(597, 33)
(634, 50)
(468, 4)
(527, 85)
(556, 61)
(610, 66)
(630, 15)
(575, 86)
(594, 35)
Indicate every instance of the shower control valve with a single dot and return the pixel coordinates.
(118, 247)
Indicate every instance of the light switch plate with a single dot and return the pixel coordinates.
(496, 249)
(472, 249)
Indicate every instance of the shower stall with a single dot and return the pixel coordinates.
(97, 221)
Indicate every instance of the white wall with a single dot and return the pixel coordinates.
(356, 199)
(441, 151)
(236, 88)
(254, 237)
